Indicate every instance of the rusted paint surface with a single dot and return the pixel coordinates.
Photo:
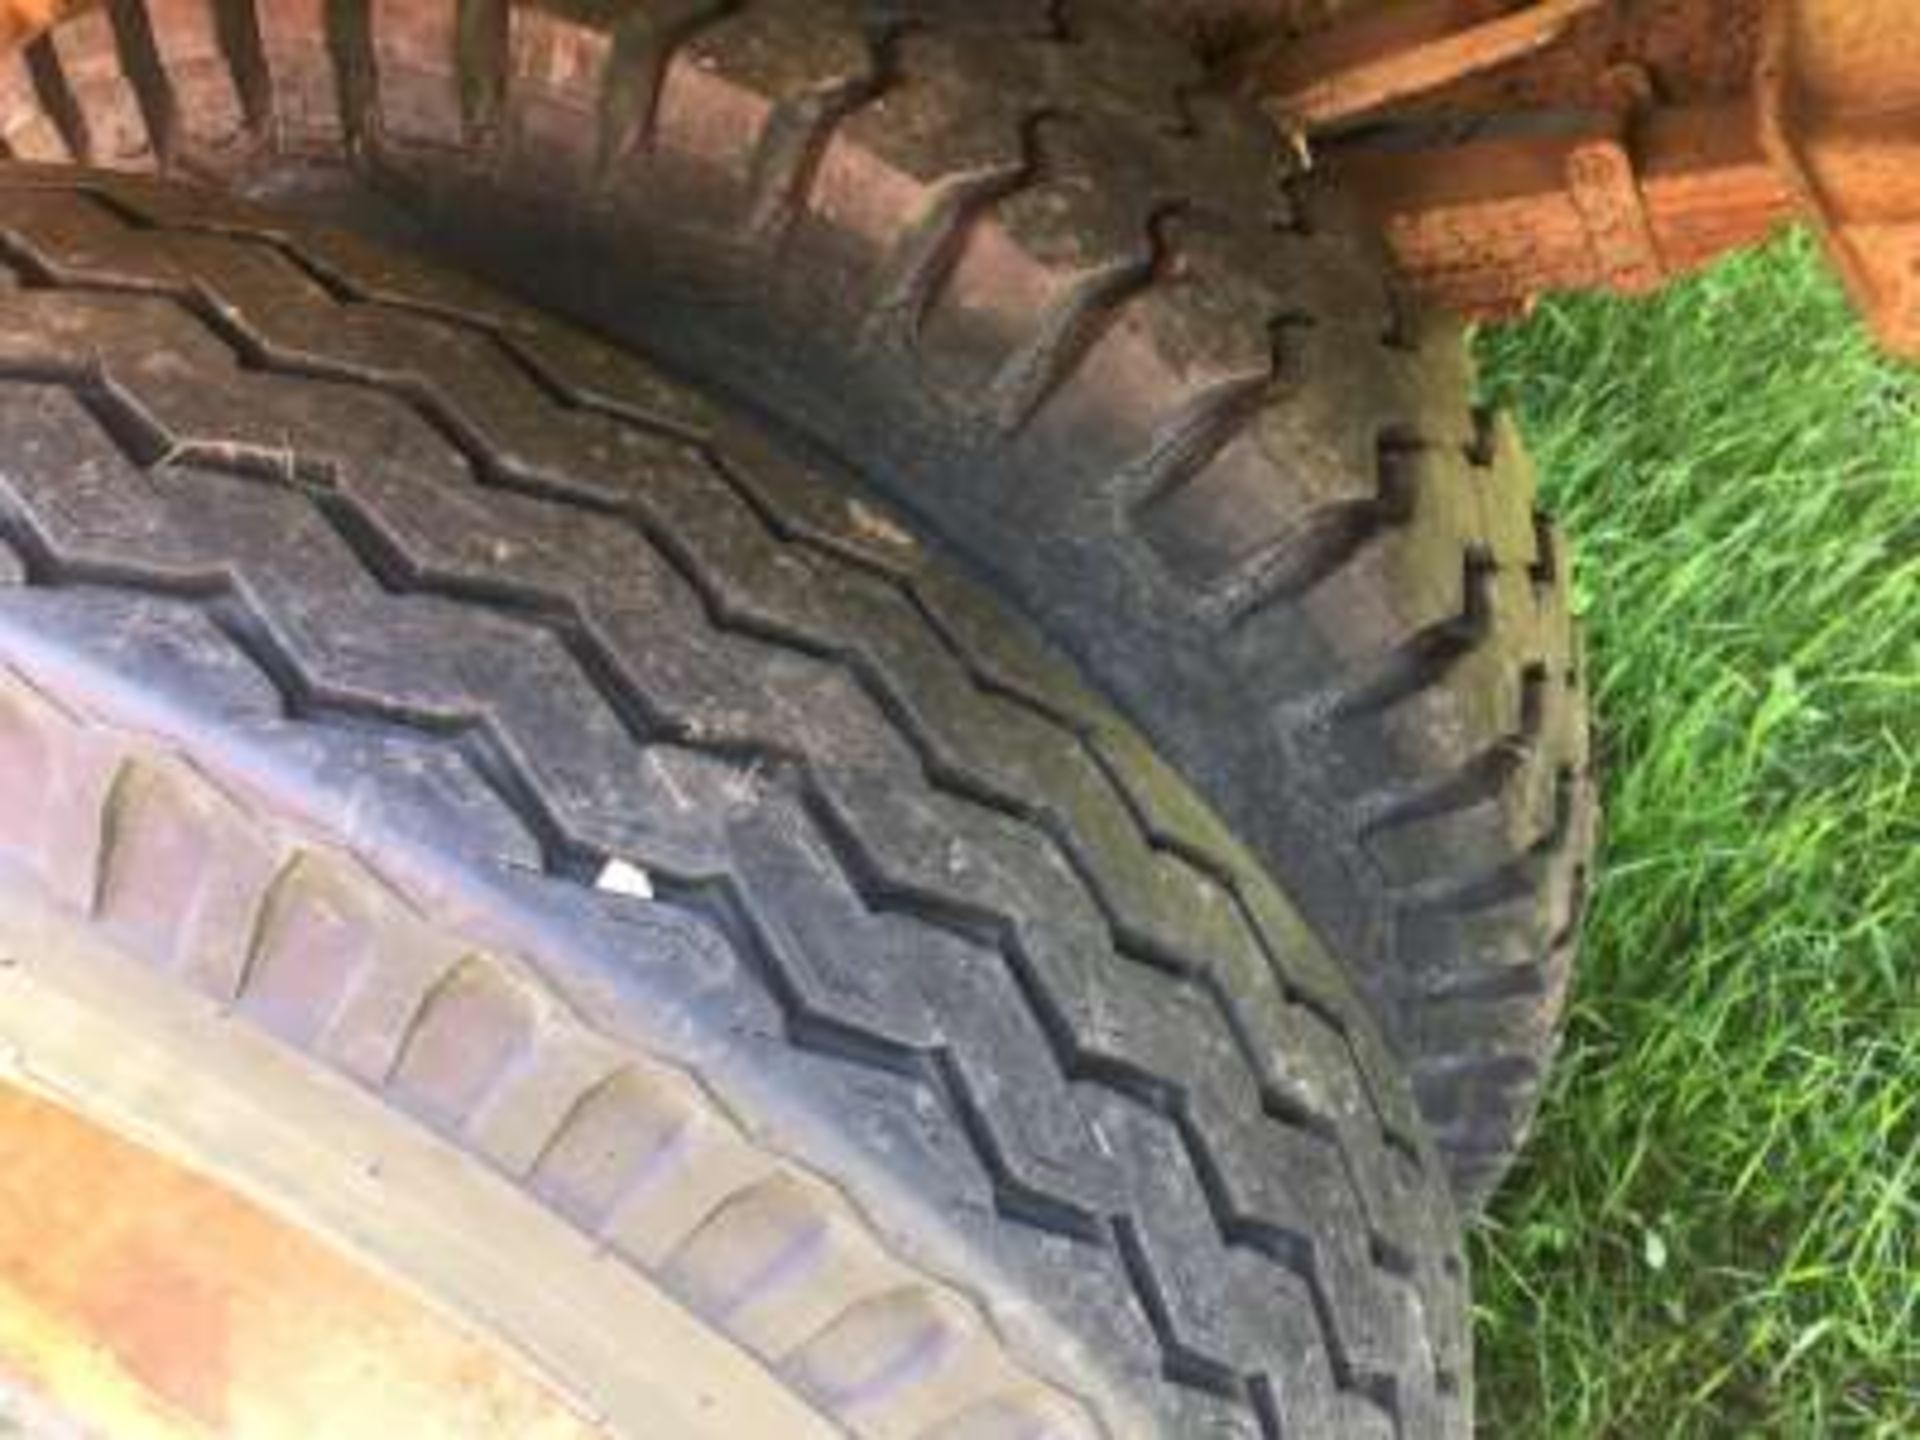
(21, 20)
(1498, 182)
(142, 1302)
(1492, 140)
(1613, 211)
(1696, 52)
(1484, 226)
(55, 1381)
(1401, 52)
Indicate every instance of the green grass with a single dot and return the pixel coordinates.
(1717, 1228)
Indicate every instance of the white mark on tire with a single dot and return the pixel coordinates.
(623, 877)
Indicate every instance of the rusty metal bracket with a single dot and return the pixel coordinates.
(1398, 53)
(1617, 144)
(1605, 190)
(1606, 193)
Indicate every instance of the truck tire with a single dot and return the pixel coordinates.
(1015, 263)
(414, 703)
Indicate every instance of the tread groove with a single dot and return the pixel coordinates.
(1193, 436)
(152, 86)
(914, 275)
(56, 97)
(356, 68)
(1427, 656)
(1294, 564)
(1184, 1365)
(1480, 779)
(1070, 325)
(1515, 877)
(237, 26)
(481, 29)
(645, 43)
(787, 159)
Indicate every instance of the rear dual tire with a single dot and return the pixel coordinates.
(1069, 312)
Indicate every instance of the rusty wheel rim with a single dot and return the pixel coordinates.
(140, 1299)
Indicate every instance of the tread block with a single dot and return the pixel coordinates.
(603, 1145)
(54, 790)
(110, 128)
(207, 106)
(698, 1165)
(902, 1350)
(471, 1029)
(780, 1264)
(517, 1121)
(315, 939)
(418, 78)
(180, 877)
(297, 56)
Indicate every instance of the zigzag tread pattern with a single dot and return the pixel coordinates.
(1057, 245)
(590, 609)
(306, 942)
